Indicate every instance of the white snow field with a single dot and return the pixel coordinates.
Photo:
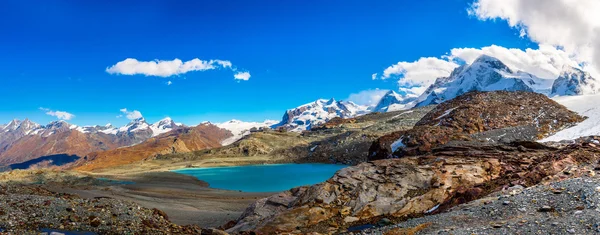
(585, 105)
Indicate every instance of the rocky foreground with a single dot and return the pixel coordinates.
(562, 207)
(461, 151)
(32, 209)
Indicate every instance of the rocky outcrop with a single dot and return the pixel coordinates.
(479, 116)
(397, 189)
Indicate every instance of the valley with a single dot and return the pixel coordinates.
(413, 158)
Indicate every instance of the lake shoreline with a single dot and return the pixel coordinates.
(185, 199)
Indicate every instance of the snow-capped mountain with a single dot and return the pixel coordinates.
(486, 73)
(393, 101)
(574, 81)
(318, 112)
(163, 126)
(240, 129)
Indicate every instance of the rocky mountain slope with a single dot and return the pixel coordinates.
(181, 140)
(498, 116)
(21, 141)
(450, 174)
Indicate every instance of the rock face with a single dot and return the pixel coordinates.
(573, 81)
(484, 74)
(499, 115)
(397, 189)
(181, 140)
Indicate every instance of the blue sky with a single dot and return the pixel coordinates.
(54, 54)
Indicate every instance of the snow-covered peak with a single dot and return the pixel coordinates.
(163, 126)
(240, 129)
(12, 125)
(139, 124)
(393, 101)
(574, 81)
(486, 73)
(318, 112)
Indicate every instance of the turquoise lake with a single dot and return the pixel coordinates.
(263, 178)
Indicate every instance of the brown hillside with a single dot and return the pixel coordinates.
(65, 142)
(177, 141)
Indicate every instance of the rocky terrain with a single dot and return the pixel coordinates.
(448, 174)
(562, 207)
(31, 209)
(479, 116)
(345, 141)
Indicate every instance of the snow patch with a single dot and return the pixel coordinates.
(586, 105)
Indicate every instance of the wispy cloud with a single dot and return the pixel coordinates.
(58, 114)
(131, 115)
(168, 68)
(367, 97)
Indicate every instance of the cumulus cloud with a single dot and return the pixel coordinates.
(422, 72)
(242, 76)
(573, 25)
(545, 62)
(169, 83)
(131, 115)
(168, 68)
(62, 115)
(367, 97)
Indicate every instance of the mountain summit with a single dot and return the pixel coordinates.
(574, 81)
(393, 101)
(486, 73)
(318, 112)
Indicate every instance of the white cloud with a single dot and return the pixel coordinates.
(422, 72)
(167, 68)
(367, 97)
(58, 114)
(131, 115)
(573, 25)
(169, 83)
(242, 76)
(374, 76)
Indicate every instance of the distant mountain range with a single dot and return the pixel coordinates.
(25, 140)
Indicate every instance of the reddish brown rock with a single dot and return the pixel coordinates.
(481, 116)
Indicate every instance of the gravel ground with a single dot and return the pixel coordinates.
(565, 207)
(31, 209)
